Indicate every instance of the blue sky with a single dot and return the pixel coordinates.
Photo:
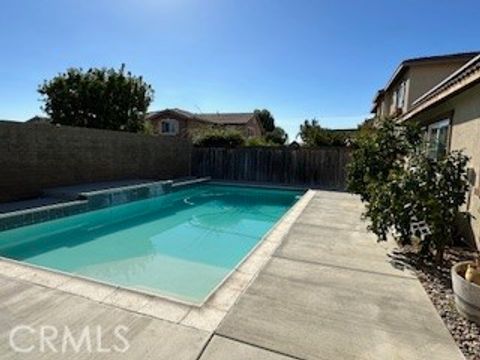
(300, 59)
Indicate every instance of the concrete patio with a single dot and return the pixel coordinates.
(328, 292)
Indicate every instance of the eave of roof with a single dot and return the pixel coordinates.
(466, 76)
(184, 113)
(213, 118)
(376, 99)
(419, 60)
(226, 118)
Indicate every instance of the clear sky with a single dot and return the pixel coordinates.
(299, 59)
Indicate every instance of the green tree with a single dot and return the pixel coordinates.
(266, 119)
(312, 134)
(97, 98)
(277, 136)
(377, 153)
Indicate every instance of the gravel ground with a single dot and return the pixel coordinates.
(437, 284)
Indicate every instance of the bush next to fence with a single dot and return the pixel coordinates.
(217, 136)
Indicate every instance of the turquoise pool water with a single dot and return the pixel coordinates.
(180, 245)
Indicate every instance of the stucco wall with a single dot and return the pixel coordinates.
(187, 125)
(423, 77)
(184, 126)
(420, 78)
(465, 135)
(255, 128)
(38, 156)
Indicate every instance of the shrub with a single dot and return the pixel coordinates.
(403, 187)
(257, 141)
(148, 128)
(377, 153)
(277, 136)
(437, 189)
(214, 136)
(312, 134)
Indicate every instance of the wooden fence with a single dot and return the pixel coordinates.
(317, 167)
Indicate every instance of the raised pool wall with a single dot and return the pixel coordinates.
(90, 201)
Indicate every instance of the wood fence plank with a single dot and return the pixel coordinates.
(323, 167)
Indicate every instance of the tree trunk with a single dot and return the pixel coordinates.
(439, 255)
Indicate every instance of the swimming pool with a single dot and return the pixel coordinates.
(181, 245)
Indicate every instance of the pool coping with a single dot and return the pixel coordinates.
(205, 316)
(260, 185)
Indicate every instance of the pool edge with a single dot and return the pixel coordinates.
(273, 238)
(295, 209)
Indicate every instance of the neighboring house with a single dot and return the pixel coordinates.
(177, 122)
(348, 134)
(449, 111)
(39, 120)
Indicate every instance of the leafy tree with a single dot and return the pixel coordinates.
(216, 136)
(377, 153)
(277, 136)
(97, 98)
(404, 189)
(266, 119)
(312, 134)
(274, 135)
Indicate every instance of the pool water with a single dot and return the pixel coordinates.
(181, 245)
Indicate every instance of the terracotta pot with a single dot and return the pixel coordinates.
(467, 294)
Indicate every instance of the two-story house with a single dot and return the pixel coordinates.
(441, 94)
(177, 122)
(413, 78)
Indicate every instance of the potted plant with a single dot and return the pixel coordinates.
(466, 288)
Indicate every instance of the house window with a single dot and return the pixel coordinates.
(250, 132)
(437, 139)
(399, 95)
(169, 127)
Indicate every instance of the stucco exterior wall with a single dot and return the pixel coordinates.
(387, 106)
(419, 79)
(465, 135)
(183, 125)
(423, 77)
(251, 128)
(38, 156)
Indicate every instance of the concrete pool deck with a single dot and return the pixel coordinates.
(327, 292)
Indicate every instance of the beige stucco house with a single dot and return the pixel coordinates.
(442, 94)
(177, 122)
(412, 79)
